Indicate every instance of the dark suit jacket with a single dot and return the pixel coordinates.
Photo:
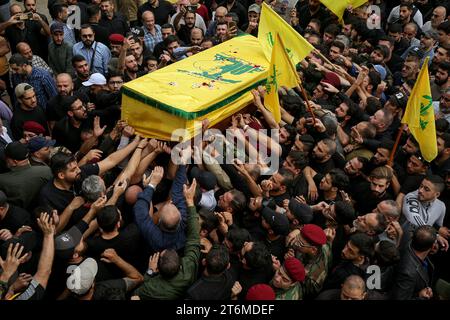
(3, 143)
(412, 276)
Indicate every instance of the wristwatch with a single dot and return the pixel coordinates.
(151, 273)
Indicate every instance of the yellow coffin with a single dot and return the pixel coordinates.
(212, 84)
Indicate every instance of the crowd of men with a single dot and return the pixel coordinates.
(89, 210)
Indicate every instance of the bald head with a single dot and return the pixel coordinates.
(25, 50)
(148, 20)
(64, 84)
(196, 36)
(439, 15)
(169, 217)
(221, 12)
(354, 288)
(131, 194)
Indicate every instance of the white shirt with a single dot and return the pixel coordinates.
(208, 200)
(5, 135)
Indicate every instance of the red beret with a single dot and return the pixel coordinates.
(33, 126)
(260, 292)
(314, 234)
(295, 269)
(116, 38)
(333, 79)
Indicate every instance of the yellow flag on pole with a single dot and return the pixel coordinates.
(338, 6)
(281, 73)
(270, 23)
(419, 115)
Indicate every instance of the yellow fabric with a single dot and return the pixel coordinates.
(419, 115)
(270, 23)
(338, 6)
(281, 73)
(212, 84)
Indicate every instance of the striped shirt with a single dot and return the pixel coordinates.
(43, 83)
(101, 59)
(151, 40)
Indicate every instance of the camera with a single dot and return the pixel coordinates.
(26, 16)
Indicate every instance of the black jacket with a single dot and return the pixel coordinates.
(412, 276)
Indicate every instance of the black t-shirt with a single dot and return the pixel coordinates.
(101, 34)
(322, 168)
(55, 110)
(31, 35)
(15, 218)
(59, 199)
(184, 33)
(126, 243)
(20, 116)
(277, 247)
(115, 289)
(162, 12)
(411, 183)
(215, 287)
(67, 135)
(118, 24)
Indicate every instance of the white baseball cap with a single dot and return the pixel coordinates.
(95, 78)
(82, 277)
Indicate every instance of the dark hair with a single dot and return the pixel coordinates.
(114, 73)
(381, 224)
(423, 238)
(373, 105)
(239, 201)
(18, 59)
(217, 259)
(338, 44)
(374, 79)
(258, 257)
(60, 161)
(149, 57)
(238, 237)
(92, 10)
(407, 4)
(339, 179)
(332, 29)
(167, 26)
(395, 28)
(345, 213)
(437, 181)
(316, 21)
(364, 243)
(77, 58)
(169, 264)
(446, 137)
(444, 26)
(210, 220)
(299, 159)
(108, 217)
(56, 9)
(387, 254)
(86, 26)
(170, 39)
(288, 177)
(444, 65)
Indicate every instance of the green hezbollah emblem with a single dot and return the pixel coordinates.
(272, 42)
(424, 110)
(272, 80)
(223, 64)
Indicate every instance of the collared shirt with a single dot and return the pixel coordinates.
(38, 62)
(43, 83)
(101, 59)
(4, 135)
(151, 40)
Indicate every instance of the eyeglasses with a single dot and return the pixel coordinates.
(83, 106)
(113, 83)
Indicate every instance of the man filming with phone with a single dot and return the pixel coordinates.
(26, 27)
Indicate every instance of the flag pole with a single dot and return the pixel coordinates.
(305, 97)
(397, 141)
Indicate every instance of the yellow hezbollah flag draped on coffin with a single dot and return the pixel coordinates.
(212, 84)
